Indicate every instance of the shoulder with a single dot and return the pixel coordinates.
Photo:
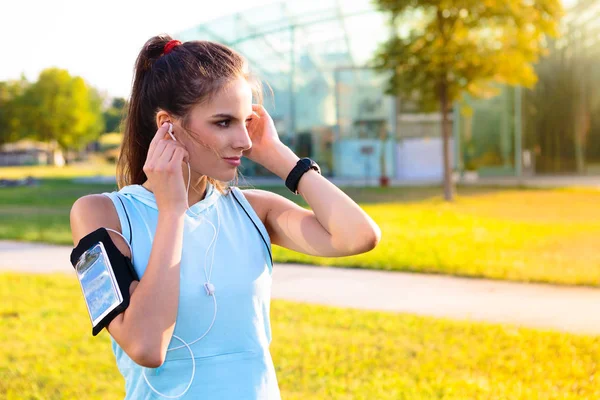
(259, 200)
(92, 207)
(94, 211)
(264, 203)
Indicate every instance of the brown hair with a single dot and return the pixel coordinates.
(189, 74)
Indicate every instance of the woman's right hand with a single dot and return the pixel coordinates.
(163, 167)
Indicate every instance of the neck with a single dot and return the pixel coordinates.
(197, 190)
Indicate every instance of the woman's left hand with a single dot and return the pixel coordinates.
(263, 135)
(267, 150)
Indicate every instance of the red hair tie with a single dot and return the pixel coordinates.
(171, 44)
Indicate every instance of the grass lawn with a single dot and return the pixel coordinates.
(523, 235)
(53, 172)
(48, 352)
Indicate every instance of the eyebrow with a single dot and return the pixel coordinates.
(228, 116)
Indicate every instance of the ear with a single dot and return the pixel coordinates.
(162, 117)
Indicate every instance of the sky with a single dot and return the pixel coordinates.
(97, 40)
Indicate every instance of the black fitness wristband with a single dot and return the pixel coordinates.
(301, 167)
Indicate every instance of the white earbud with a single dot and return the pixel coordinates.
(170, 131)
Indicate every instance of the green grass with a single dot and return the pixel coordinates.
(530, 235)
(54, 172)
(48, 352)
(522, 235)
(41, 213)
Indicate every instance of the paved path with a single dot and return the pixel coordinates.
(568, 309)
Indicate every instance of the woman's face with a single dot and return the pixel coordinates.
(217, 134)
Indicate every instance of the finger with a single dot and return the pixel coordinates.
(163, 144)
(255, 121)
(259, 110)
(171, 146)
(159, 149)
(167, 154)
(160, 134)
(180, 155)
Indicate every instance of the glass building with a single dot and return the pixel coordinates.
(328, 104)
(562, 113)
(553, 128)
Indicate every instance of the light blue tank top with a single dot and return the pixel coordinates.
(233, 360)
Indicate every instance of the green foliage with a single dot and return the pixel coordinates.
(115, 114)
(319, 352)
(66, 110)
(58, 108)
(10, 110)
(464, 45)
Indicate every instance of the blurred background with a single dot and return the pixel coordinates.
(331, 99)
(469, 130)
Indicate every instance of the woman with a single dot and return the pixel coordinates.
(190, 120)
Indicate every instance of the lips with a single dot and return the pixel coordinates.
(235, 161)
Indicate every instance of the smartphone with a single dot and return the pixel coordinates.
(98, 283)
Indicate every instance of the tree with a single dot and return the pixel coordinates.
(62, 110)
(441, 49)
(87, 123)
(115, 114)
(10, 105)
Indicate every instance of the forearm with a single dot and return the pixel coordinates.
(348, 225)
(150, 318)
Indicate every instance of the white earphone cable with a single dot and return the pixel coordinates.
(191, 379)
(209, 287)
(125, 240)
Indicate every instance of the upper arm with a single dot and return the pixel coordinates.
(292, 226)
(89, 213)
(94, 211)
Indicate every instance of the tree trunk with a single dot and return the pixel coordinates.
(50, 149)
(383, 178)
(446, 133)
(50, 155)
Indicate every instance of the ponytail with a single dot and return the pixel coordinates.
(139, 118)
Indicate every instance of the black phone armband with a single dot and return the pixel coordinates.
(105, 275)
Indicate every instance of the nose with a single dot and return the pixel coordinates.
(242, 140)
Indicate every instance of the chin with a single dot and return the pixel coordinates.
(224, 176)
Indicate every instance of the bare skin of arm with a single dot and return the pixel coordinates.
(145, 328)
(335, 225)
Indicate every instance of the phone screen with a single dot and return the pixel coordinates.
(98, 283)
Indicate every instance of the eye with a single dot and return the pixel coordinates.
(224, 124)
